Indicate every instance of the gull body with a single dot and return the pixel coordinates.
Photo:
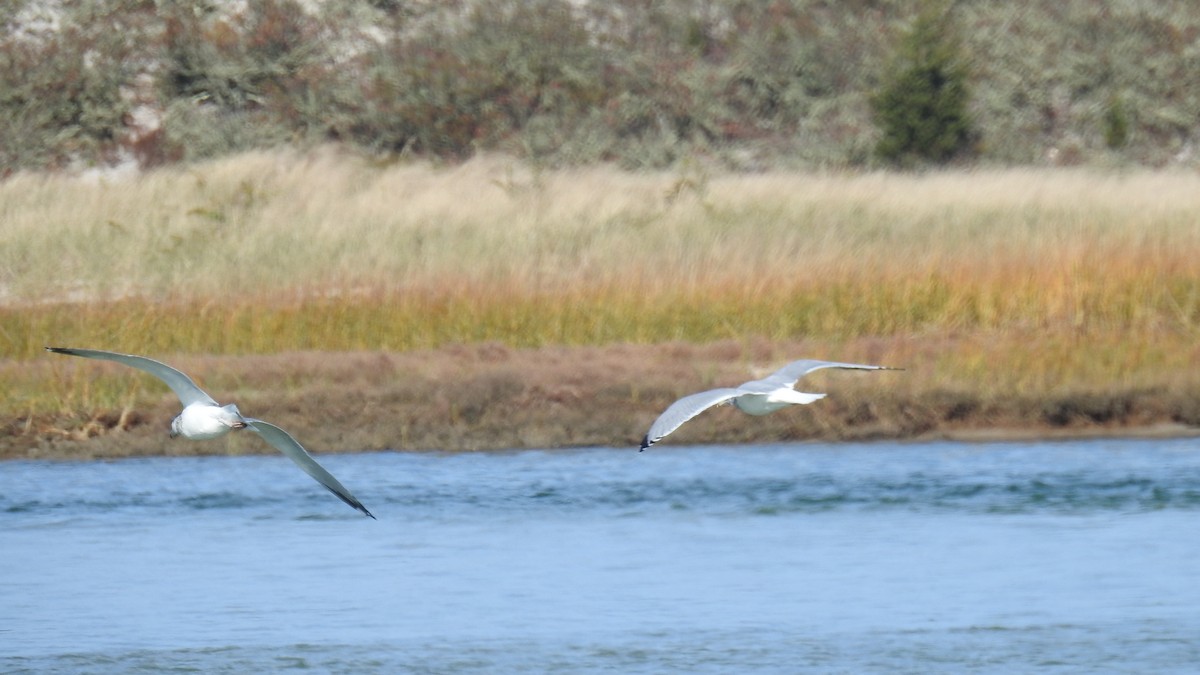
(203, 421)
(756, 397)
(203, 418)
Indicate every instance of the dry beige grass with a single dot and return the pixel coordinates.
(328, 223)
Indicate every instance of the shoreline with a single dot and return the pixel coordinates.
(1165, 430)
(990, 436)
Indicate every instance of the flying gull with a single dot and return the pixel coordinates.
(756, 397)
(203, 418)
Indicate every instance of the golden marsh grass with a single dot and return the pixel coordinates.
(990, 248)
(1037, 280)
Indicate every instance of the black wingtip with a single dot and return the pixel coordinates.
(348, 500)
(358, 506)
(646, 442)
(69, 351)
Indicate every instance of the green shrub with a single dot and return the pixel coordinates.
(231, 81)
(922, 107)
(60, 90)
(1116, 124)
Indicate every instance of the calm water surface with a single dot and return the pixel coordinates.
(944, 557)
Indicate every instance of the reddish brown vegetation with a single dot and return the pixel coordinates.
(487, 397)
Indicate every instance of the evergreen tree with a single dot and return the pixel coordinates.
(922, 107)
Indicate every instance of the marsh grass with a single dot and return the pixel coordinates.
(1055, 279)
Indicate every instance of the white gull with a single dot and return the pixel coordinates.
(756, 397)
(203, 418)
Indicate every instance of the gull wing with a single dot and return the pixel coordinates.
(284, 442)
(788, 375)
(685, 409)
(181, 384)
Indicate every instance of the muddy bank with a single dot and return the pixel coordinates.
(490, 397)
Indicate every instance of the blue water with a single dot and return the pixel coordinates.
(942, 557)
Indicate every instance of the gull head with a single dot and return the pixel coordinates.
(231, 416)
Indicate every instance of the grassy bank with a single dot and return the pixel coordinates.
(998, 288)
(489, 396)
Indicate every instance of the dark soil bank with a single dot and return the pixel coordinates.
(490, 397)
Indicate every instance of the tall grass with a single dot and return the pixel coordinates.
(1033, 278)
(869, 253)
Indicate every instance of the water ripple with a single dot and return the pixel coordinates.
(768, 481)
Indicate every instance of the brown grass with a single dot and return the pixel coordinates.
(492, 397)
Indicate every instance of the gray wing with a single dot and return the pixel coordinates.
(181, 384)
(284, 442)
(788, 375)
(685, 409)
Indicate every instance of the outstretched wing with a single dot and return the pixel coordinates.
(181, 384)
(284, 442)
(685, 409)
(788, 375)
